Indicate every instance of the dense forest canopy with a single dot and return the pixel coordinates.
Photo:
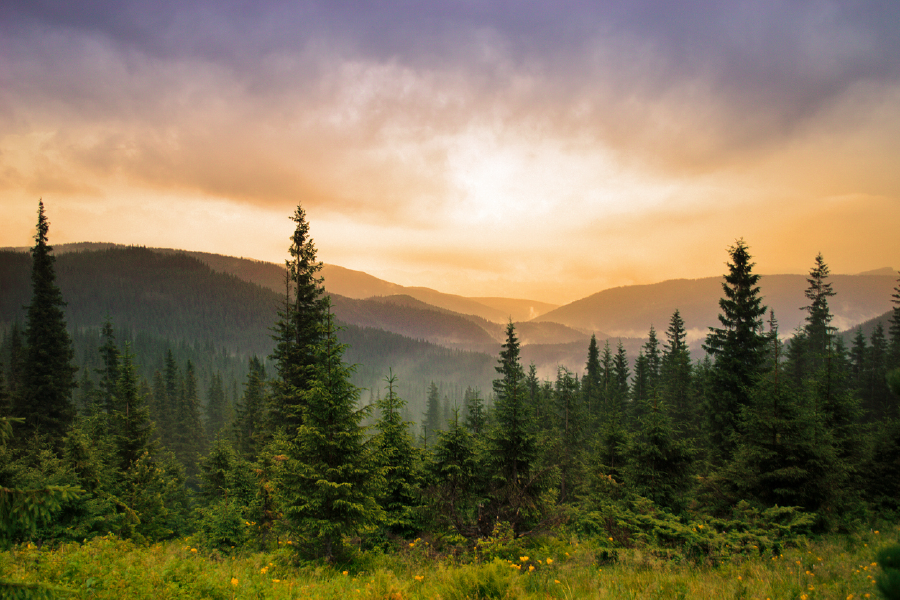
(166, 399)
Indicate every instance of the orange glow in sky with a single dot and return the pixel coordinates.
(482, 151)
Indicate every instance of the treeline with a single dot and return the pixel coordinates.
(758, 440)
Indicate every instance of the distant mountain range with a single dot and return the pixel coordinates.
(550, 335)
(629, 311)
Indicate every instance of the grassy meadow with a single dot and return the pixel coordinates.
(837, 567)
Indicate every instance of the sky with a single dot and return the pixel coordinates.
(517, 149)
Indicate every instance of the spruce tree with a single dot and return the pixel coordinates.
(657, 464)
(329, 480)
(109, 374)
(475, 413)
(590, 386)
(818, 318)
(738, 348)
(511, 438)
(569, 419)
(298, 329)
(778, 460)
(454, 477)
(654, 358)
(675, 375)
(130, 418)
(511, 443)
(432, 418)
(216, 407)
(249, 419)
(397, 457)
(48, 378)
(189, 439)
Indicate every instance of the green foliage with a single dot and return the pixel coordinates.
(329, 480)
(486, 581)
(454, 480)
(888, 580)
(738, 348)
(398, 459)
(48, 378)
(298, 329)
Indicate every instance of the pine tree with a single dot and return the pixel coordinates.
(511, 443)
(777, 461)
(432, 421)
(130, 417)
(511, 438)
(397, 457)
(215, 407)
(109, 374)
(48, 378)
(475, 413)
(591, 384)
(249, 419)
(453, 476)
(189, 438)
(675, 375)
(569, 419)
(654, 358)
(817, 328)
(657, 464)
(738, 348)
(297, 330)
(329, 482)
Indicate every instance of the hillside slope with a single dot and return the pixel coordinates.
(629, 311)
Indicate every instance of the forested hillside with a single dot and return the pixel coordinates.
(153, 435)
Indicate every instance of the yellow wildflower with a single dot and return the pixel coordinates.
(610, 539)
(523, 558)
(193, 550)
(346, 573)
(556, 581)
(234, 581)
(549, 561)
(263, 570)
(530, 568)
(418, 577)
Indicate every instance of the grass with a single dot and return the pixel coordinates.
(838, 567)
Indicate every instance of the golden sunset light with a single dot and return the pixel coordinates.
(510, 149)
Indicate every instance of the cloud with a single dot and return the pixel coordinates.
(599, 142)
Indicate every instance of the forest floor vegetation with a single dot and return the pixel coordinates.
(832, 566)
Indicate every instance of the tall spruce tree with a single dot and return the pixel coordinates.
(330, 480)
(511, 443)
(48, 378)
(738, 349)
(298, 329)
(590, 384)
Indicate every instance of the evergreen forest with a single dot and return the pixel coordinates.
(262, 433)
